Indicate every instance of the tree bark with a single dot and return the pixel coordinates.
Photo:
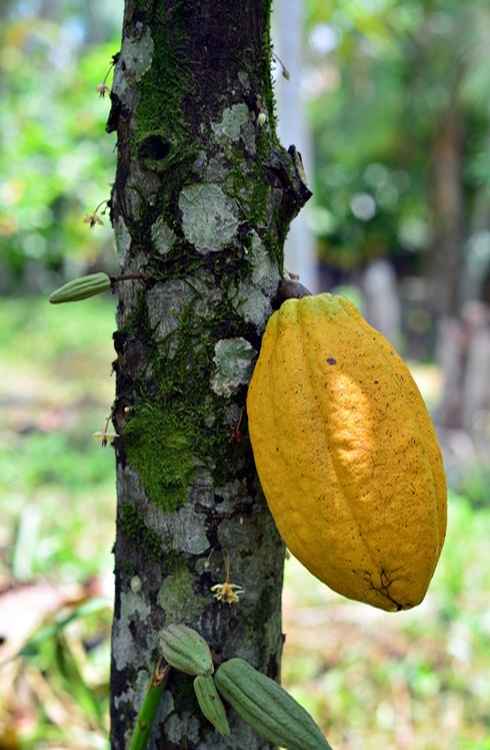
(201, 204)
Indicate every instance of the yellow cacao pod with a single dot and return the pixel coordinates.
(347, 454)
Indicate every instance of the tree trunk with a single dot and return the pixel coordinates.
(203, 197)
(446, 257)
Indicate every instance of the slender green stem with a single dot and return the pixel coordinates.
(147, 712)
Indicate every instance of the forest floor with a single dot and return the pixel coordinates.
(418, 680)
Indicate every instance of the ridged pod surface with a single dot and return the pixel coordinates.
(347, 453)
(81, 288)
(271, 711)
(211, 704)
(184, 649)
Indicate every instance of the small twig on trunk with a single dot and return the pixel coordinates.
(129, 277)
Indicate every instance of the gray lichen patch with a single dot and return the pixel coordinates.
(129, 292)
(202, 490)
(165, 304)
(233, 359)
(190, 531)
(186, 527)
(133, 697)
(265, 274)
(124, 699)
(248, 134)
(137, 201)
(230, 494)
(123, 239)
(133, 604)
(137, 54)
(177, 598)
(216, 170)
(123, 646)
(233, 119)
(133, 607)
(244, 80)
(186, 725)
(165, 708)
(207, 294)
(209, 217)
(163, 236)
(251, 304)
(135, 59)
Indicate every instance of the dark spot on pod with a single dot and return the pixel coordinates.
(331, 361)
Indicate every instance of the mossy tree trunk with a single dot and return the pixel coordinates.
(203, 197)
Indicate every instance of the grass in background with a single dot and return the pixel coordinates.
(56, 484)
(417, 680)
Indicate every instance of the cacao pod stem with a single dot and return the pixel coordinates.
(147, 712)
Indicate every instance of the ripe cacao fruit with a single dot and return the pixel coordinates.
(347, 454)
(211, 704)
(185, 650)
(81, 288)
(270, 710)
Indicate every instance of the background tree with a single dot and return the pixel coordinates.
(398, 107)
(203, 197)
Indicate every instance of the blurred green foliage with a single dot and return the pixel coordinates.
(381, 76)
(384, 75)
(56, 162)
(56, 381)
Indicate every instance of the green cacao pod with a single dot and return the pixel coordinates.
(211, 704)
(185, 650)
(269, 709)
(81, 288)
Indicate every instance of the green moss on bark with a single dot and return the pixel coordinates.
(159, 446)
(162, 443)
(159, 112)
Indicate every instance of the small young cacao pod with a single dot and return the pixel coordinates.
(185, 650)
(81, 288)
(269, 709)
(211, 704)
(347, 454)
